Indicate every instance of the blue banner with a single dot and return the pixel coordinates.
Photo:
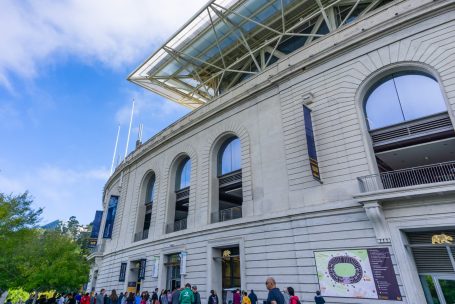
(122, 272)
(110, 217)
(96, 225)
(311, 146)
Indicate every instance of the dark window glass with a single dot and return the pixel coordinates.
(150, 190)
(403, 97)
(230, 159)
(184, 174)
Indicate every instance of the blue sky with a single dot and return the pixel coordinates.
(63, 92)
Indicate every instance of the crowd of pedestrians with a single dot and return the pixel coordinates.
(187, 295)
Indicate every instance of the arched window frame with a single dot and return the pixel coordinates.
(221, 152)
(185, 165)
(390, 76)
(150, 192)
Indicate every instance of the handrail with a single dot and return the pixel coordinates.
(427, 174)
(227, 214)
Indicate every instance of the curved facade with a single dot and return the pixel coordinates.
(308, 194)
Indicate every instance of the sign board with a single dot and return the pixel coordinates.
(131, 287)
(155, 269)
(357, 273)
(183, 262)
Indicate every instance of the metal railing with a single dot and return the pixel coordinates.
(176, 226)
(227, 214)
(141, 235)
(435, 173)
(97, 249)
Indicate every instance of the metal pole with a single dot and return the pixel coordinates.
(115, 149)
(129, 130)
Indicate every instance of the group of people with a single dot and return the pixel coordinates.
(288, 296)
(187, 295)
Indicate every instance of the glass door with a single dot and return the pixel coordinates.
(439, 288)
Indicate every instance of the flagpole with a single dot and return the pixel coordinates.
(129, 130)
(115, 149)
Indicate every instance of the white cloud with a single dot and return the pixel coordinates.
(113, 32)
(63, 192)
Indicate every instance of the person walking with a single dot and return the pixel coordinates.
(85, 299)
(175, 296)
(293, 299)
(131, 298)
(253, 297)
(275, 296)
(114, 297)
(213, 298)
(318, 299)
(245, 298)
(237, 298)
(99, 299)
(197, 295)
(163, 298)
(186, 295)
(155, 296)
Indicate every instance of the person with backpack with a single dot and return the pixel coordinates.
(253, 297)
(293, 299)
(318, 299)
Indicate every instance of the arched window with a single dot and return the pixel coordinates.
(150, 190)
(411, 132)
(230, 193)
(229, 157)
(184, 174)
(402, 97)
(180, 201)
(145, 208)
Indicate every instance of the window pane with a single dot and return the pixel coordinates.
(420, 96)
(382, 107)
(231, 157)
(150, 191)
(185, 175)
(236, 155)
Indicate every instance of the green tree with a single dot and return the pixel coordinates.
(56, 263)
(36, 259)
(18, 221)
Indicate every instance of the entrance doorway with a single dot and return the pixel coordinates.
(230, 273)
(434, 256)
(173, 277)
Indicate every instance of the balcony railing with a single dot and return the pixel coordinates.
(141, 235)
(227, 214)
(176, 226)
(435, 173)
(98, 249)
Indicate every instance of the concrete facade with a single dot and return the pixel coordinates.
(287, 215)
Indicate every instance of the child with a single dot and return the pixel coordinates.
(318, 299)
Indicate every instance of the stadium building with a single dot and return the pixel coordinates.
(320, 150)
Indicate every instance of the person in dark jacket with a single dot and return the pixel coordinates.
(318, 299)
(275, 296)
(175, 296)
(131, 298)
(253, 297)
(213, 298)
(197, 296)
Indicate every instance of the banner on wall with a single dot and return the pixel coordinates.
(156, 264)
(183, 262)
(95, 229)
(357, 273)
(311, 146)
(122, 272)
(141, 272)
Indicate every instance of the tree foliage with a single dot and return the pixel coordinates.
(36, 259)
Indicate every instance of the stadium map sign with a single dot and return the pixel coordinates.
(357, 273)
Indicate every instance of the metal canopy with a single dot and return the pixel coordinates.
(228, 41)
